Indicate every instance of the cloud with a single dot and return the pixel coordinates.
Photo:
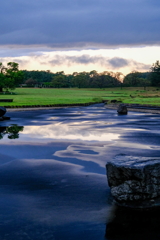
(118, 62)
(83, 59)
(114, 63)
(86, 60)
(80, 23)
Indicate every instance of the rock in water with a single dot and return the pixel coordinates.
(2, 111)
(134, 181)
(122, 109)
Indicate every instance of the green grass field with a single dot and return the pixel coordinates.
(50, 96)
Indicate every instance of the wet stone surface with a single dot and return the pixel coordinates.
(52, 170)
(135, 181)
(122, 109)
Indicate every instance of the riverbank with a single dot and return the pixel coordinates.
(137, 108)
(131, 107)
(43, 107)
(40, 97)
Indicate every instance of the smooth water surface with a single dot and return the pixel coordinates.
(53, 181)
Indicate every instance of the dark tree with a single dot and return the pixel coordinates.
(155, 74)
(10, 76)
(132, 79)
(31, 82)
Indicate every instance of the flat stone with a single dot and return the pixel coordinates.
(134, 181)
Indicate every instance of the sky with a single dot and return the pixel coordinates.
(80, 35)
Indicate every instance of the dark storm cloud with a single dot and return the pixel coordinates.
(79, 23)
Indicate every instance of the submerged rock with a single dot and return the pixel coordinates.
(122, 109)
(134, 181)
(2, 111)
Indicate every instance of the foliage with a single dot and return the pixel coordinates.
(10, 76)
(91, 79)
(131, 79)
(12, 131)
(31, 82)
(59, 81)
(155, 74)
(137, 79)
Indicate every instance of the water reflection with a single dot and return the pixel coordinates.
(12, 131)
(55, 188)
(132, 224)
(69, 132)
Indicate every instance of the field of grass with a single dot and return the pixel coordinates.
(44, 96)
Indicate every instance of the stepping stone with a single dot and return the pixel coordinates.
(134, 181)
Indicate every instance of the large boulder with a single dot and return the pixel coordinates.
(134, 181)
(122, 109)
(2, 111)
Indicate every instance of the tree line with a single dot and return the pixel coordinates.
(91, 79)
(144, 79)
(11, 77)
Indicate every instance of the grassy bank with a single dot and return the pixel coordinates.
(43, 96)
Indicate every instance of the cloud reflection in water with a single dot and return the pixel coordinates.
(67, 132)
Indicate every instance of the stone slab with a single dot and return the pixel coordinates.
(134, 181)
